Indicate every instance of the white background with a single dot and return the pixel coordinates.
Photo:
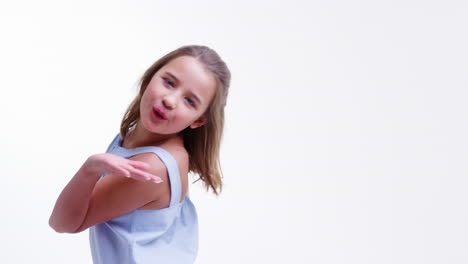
(346, 135)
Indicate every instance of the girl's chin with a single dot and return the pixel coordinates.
(160, 129)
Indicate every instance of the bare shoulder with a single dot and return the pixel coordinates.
(176, 148)
(178, 151)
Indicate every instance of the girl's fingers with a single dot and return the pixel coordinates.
(139, 164)
(132, 169)
(123, 171)
(134, 173)
(142, 175)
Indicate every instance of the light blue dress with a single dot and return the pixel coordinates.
(168, 235)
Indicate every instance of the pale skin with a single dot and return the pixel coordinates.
(182, 89)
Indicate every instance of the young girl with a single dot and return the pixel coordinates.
(134, 198)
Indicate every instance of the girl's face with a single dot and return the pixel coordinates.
(177, 96)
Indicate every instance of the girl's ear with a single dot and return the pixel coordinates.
(199, 122)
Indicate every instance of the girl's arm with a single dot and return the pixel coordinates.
(72, 207)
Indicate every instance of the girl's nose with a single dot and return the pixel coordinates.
(169, 101)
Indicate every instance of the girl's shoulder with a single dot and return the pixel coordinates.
(180, 154)
(175, 146)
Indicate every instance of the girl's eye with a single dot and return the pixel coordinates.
(169, 82)
(190, 101)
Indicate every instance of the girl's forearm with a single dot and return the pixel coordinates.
(72, 204)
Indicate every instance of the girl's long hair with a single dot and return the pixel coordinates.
(202, 143)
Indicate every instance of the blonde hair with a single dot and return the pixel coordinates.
(202, 143)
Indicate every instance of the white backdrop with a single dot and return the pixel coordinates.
(346, 135)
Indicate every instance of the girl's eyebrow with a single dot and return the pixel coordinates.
(177, 81)
(196, 97)
(172, 76)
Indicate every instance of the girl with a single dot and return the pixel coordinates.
(134, 198)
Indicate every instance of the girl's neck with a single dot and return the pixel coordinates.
(138, 136)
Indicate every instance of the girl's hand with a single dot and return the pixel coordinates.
(113, 164)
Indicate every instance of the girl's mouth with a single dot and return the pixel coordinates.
(159, 113)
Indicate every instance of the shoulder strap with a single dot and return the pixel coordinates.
(171, 166)
(114, 142)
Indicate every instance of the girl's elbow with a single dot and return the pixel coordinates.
(55, 227)
(60, 228)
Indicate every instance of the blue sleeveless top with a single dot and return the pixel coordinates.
(168, 235)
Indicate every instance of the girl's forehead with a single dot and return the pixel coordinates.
(187, 66)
